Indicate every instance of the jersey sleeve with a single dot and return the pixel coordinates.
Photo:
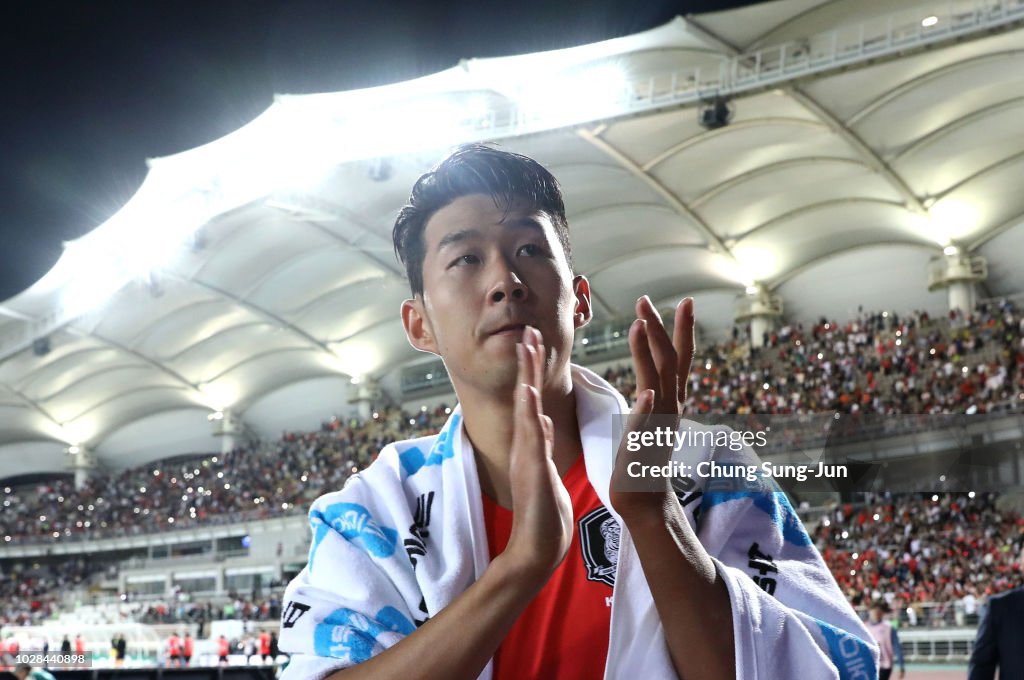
(790, 619)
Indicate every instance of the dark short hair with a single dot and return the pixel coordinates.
(476, 169)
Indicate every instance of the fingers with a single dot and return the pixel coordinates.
(663, 355)
(532, 428)
(538, 358)
(682, 340)
(641, 412)
(643, 362)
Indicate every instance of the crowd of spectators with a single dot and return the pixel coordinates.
(255, 481)
(181, 609)
(934, 558)
(877, 363)
(30, 593)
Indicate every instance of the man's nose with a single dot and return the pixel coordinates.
(508, 285)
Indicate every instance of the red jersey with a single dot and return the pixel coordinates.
(222, 647)
(563, 632)
(264, 642)
(79, 646)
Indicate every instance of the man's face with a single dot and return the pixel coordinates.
(486, 274)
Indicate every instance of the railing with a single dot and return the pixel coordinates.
(213, 527)
(937, 645)
(866, 42)
(934, 615)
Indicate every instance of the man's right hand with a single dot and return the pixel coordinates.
(444, 648)
(542, 512)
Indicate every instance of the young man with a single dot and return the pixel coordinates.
(890, 651)
(507, 546)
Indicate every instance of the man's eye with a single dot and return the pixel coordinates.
(531, 249)
(464, 259)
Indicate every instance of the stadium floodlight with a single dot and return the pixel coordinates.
(929, 21)
(951, 250)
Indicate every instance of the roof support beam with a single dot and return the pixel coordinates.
(31, 403)
(714, 243)
(872, 159)
(990, 234)
(810, 264)
(161, 367)
(255, 309)
(313, 210)
(951, 127)
(728, 129)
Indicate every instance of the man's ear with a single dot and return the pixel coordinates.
(417, 326)
(583, 312)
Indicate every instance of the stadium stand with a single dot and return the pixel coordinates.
(874, 363)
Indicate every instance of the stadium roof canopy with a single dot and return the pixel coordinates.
(256, 273)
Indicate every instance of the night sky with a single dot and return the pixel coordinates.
(92, 89)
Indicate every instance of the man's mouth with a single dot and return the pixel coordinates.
(510, 329)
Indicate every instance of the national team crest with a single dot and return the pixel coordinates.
(599, 542)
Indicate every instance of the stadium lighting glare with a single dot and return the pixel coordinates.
(287, 150)
(953, 220)
(757, 263)
(929, 21)
(951, 250)
(95, 279)
(356, 358)
(439, 120)
(216, 415)
(586, 93)
(753, 290)
(73, 450)
(75, 434)
(218, 396)
(141, 238)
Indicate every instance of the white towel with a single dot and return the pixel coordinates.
(406, 536)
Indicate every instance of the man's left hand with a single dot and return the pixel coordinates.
(662, 367)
